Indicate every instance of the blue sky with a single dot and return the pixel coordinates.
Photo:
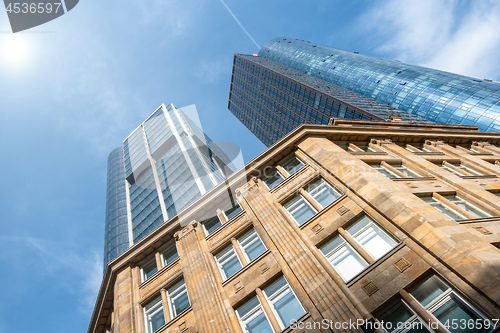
(71, 90)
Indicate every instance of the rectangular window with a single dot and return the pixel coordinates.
(149, 270)
(283, 302)
(453, 213)
(178, 299)
(169, 255)
(154, 316)
(211, 224)
(346, 261)
(418, 148)
(273, 179)
(371, 237)
(228, 262)
(233, 211)
(442, 302)
(365, 233)
(292, 165)
(391, 171)
(300, 209)
(252, 317)
(459, 169)
(323, 192)
(251, 244)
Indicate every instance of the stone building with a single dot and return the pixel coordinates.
(352, 227)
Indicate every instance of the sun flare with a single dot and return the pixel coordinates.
(14, 49)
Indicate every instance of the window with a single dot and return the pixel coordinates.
(292, 165)
(320, 192)
(169, 255)
(233, 211)
(178, 299)
(149, 270)
(252, 317)
(360, 148)
(341, 249)
(273, 179)
(418, 148)
(462, 210)
(283, 302)
(284, 305)
(211, 224)
(459, 169)
(395, 171)
(323, 193)
(154, 316)
(228, 260)
(276, 177)
(300, 209)
(251, 244)
(439, 300)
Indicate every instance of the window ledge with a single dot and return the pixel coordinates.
(413, 179)
(478, 177)
(480, 219)
(245, 268)
(368, 153)
(481, 154)
(318, 214)
(163, 269)
(373, 265)
(165, 327)
(428, 153)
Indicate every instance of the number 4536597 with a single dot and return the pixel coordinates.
(25, 7)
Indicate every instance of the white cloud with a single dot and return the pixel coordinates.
(451, 35)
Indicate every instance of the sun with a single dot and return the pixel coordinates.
(14, 49)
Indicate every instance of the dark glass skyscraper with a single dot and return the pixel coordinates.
(438, 96)
(286, 84)
(165, 164)
(272, 99)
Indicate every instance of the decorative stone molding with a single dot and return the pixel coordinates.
(480, 144)
(381, 142)
(190, 228)
(402, 265)
(434, 143)
(370, 288)
(342, 210)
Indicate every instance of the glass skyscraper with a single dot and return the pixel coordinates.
(438, 96)
(272, 99)
(286, 84)
(165, 164)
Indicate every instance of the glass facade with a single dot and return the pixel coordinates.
(437, 96)
(166, 164)
(116, 237)
(272, 99)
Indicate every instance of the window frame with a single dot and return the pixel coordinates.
(224, 256)
(278, 297)
(317, 187)
(179, 285)
(155, 308)
(346, 241)
(252, 314)
(162, 255)
(291, 203)
(151, 262)
(249, 233)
